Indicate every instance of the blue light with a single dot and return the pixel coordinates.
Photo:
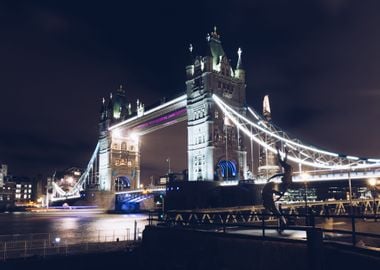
(227, 167)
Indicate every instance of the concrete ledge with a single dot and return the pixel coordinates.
(180, 248)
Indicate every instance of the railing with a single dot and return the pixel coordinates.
(46, 244)
(350, 229)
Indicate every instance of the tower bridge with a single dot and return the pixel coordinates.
(220, 130)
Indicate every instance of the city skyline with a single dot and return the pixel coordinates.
(60, 60)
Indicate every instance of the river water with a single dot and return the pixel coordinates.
(71, 224)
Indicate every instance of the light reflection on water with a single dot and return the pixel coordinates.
(78, 224)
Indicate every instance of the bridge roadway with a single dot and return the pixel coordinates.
(166, 114)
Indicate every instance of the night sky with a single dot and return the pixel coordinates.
(319, 61)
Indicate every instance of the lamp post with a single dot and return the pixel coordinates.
(305, 177)
(168, 161)
(372, 183)
(350, 187)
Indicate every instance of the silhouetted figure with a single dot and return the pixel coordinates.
(270, 189)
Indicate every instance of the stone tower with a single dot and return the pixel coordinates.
(216, 150)
(119, 151)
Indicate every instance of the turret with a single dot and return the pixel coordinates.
(103, 110)
(190, 63)
(105, 116)
(109, 115)
(239, 72)
(119, 104)
(266, 108)
(216, 49)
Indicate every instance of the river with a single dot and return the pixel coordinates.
(89, 224)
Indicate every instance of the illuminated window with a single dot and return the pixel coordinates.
(18, 196)
(123, 146)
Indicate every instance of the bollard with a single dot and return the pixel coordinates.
(315, 248)
(353, 230)
(263, 224)
(44, 248)
(5, 251)
(135, 231)
(25, 248)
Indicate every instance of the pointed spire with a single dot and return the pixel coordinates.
(110, 107)
(103, 110)
(191, 56)
(129, 109)
(120, 90)
(266, 108)
(214, 34)
(208, 37)
(239, 64)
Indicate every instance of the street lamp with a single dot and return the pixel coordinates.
(372, 183)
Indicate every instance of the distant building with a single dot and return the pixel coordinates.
(3, 173)
(23, 189)
(7, 196)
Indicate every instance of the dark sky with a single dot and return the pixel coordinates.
(318, 60)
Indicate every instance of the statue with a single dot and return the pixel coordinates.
(270, 188)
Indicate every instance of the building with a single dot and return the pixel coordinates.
(7, 196)
(23, 192)
(3, 173)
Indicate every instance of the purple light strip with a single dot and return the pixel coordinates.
(161, 119)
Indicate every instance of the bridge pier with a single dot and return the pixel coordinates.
(101, 199)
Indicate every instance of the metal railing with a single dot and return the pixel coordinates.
(357, 230)
(46, 244)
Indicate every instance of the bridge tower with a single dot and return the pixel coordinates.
(119, 152)
(216, 150)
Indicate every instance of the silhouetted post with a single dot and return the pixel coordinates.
(135, 231)
(315, 248)
(353, 230)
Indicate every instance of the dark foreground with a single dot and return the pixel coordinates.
(176, 248)
(127, 259)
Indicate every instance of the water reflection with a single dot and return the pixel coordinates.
(71, 225)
